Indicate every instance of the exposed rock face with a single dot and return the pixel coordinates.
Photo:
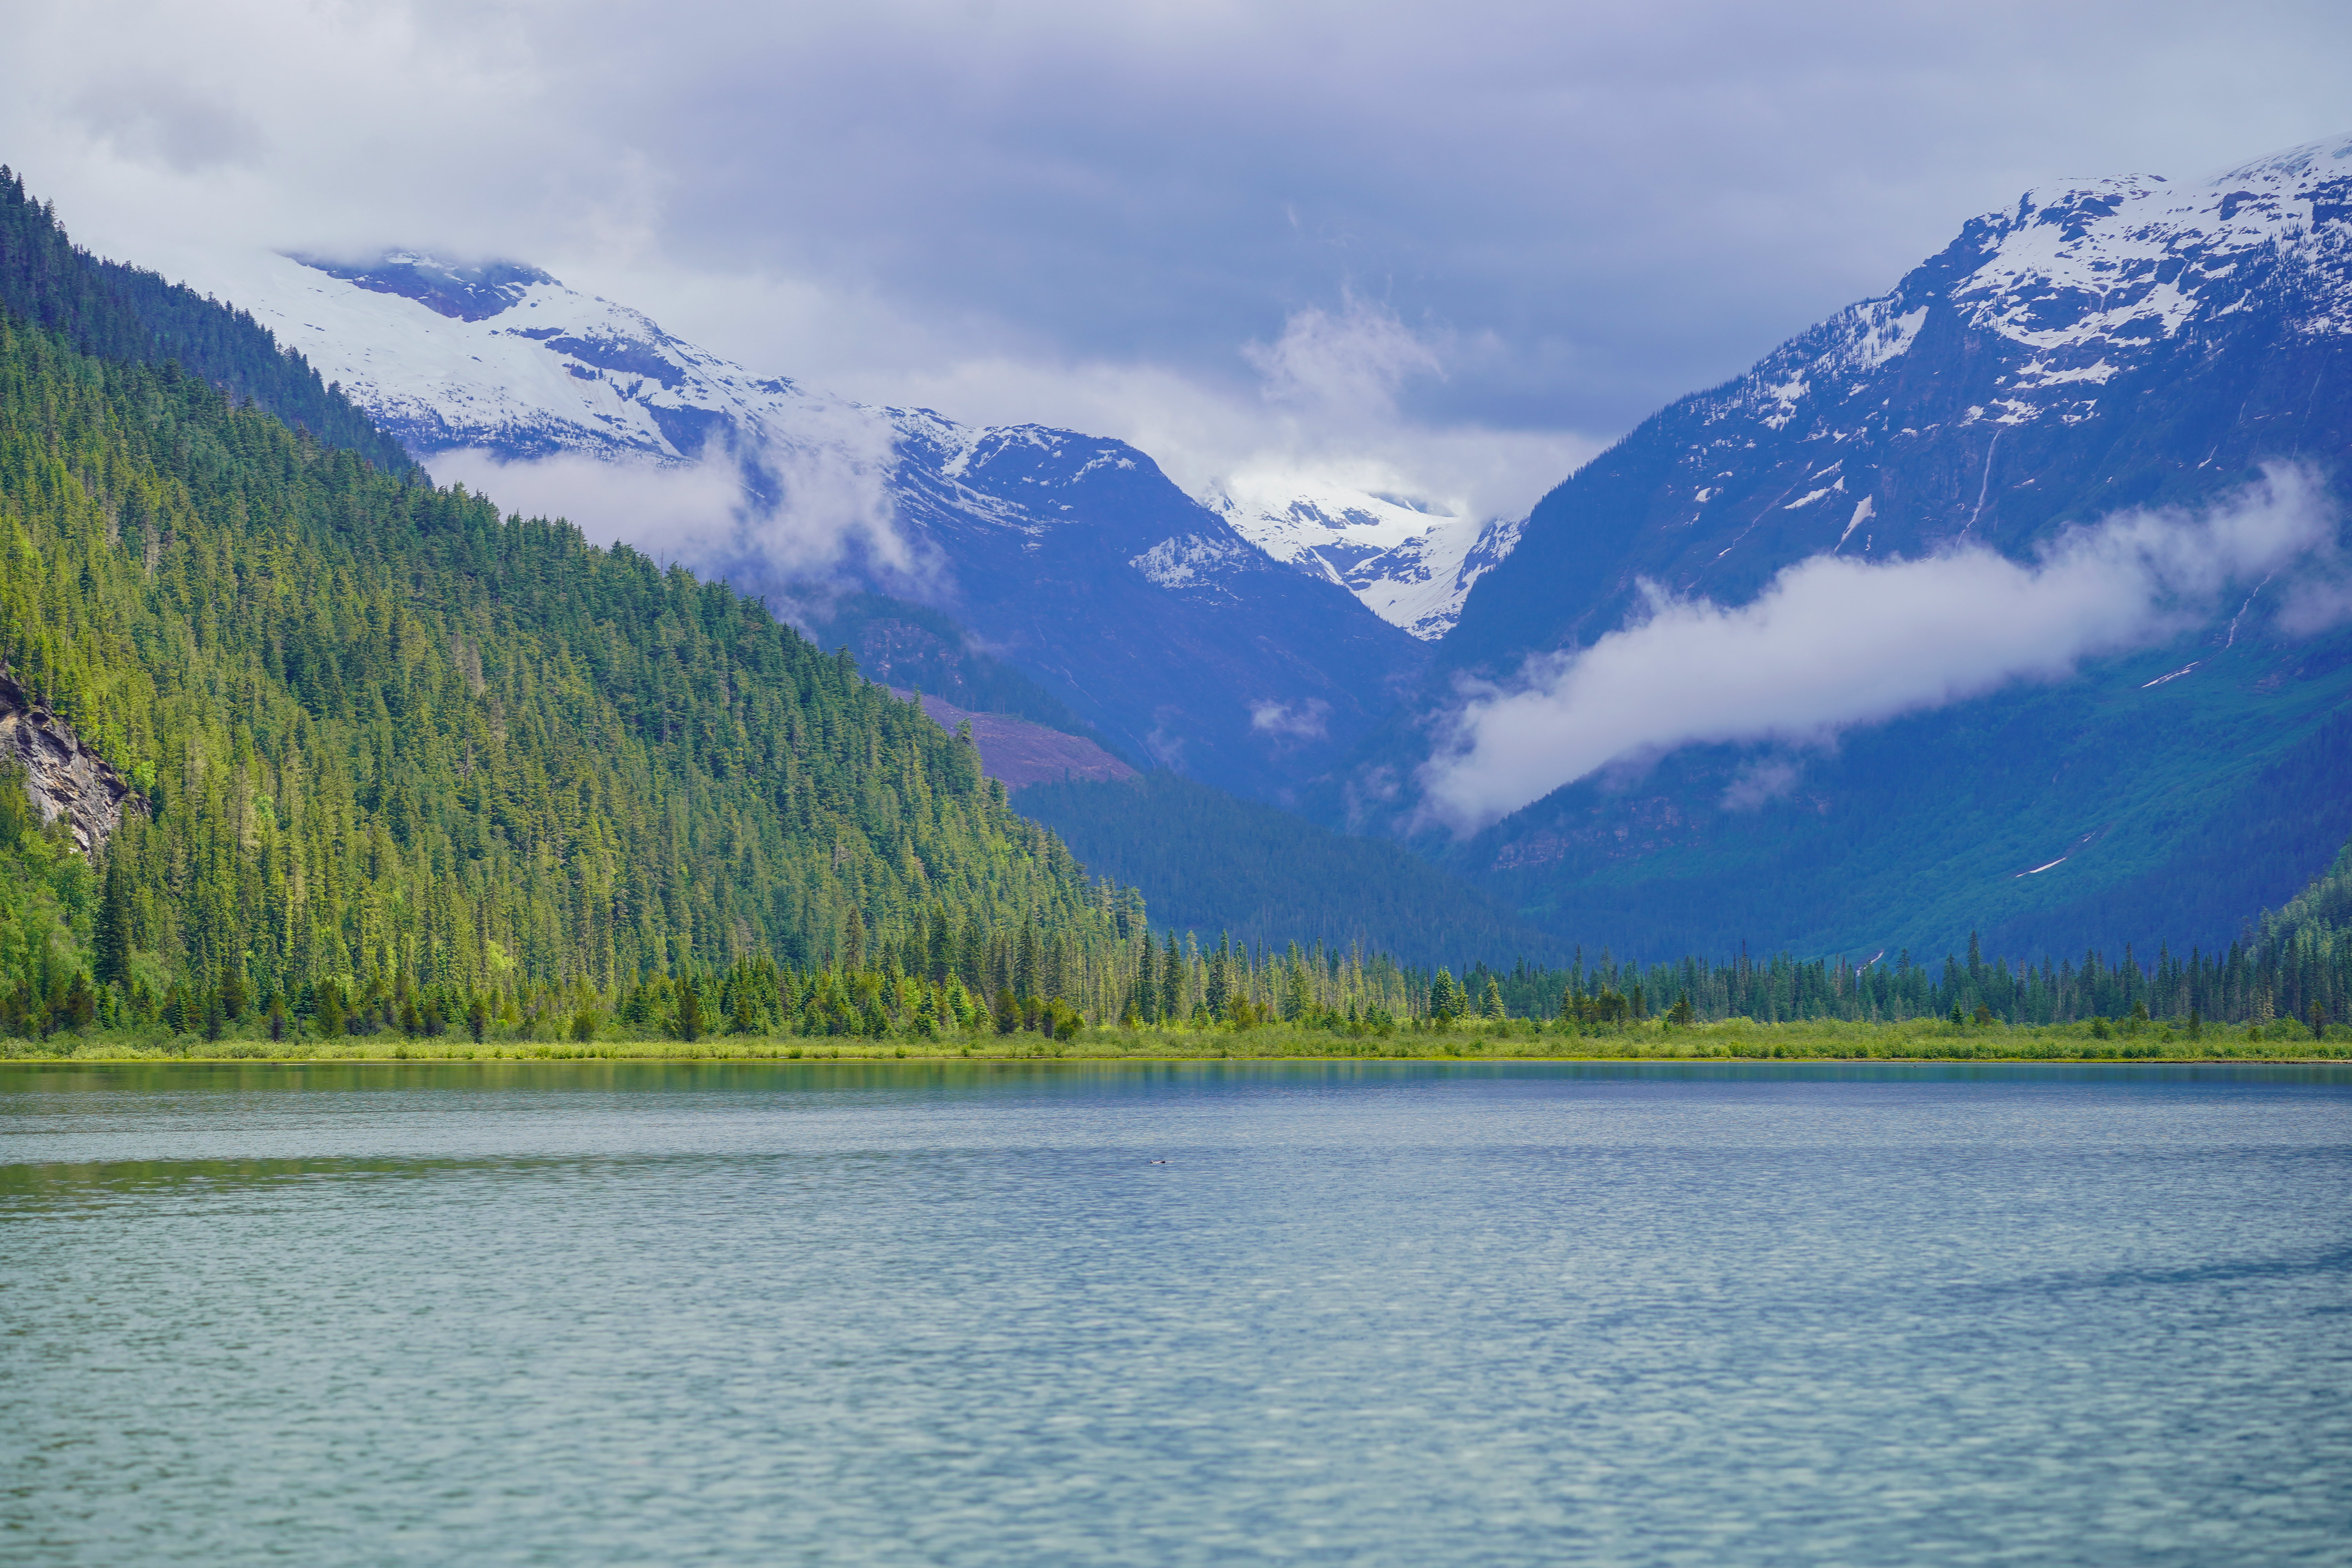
(64, 777)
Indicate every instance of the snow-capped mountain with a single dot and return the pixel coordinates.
(2096, 347)
(1981, 398)
(1070, 556)
(504, 358)
(1410, 562)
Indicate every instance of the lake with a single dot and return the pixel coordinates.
(1411, 1313)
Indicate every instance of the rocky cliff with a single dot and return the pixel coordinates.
(64, 777)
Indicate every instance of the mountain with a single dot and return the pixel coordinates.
(1071, 558)
(1208, 863)
(2116, 344)
(2119, 342)
(374, 727)
(283, 731)
(1409, 563)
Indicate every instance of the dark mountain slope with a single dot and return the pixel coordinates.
(1209, 863)
(907, 646)
(2096, 813)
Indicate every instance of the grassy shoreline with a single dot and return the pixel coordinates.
(1737, 1040)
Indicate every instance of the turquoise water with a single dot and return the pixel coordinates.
(1413, 1314)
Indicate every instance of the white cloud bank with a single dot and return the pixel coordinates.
(1833, 642)
(808, 507)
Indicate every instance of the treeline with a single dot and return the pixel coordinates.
(389, 742)
(128, 313)
(2297, 966)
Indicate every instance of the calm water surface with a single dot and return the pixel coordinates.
(588, 1314)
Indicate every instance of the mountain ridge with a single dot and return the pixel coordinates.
(1073, 557)
(2100, 349)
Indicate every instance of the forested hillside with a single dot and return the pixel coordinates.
(909, 645)
(123, 313)
(392, 745)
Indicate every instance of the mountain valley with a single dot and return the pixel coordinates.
(1138, 665)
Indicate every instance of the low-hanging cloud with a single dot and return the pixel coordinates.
(805, 506)
(1834, 642)
(1326, 409)
(1347, 363)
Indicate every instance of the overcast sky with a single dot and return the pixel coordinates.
(1475, 237)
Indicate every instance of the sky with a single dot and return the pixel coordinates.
(1448, 248)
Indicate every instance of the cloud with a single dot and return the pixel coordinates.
(805, 506)
(1309, 721)
(1346, 367)
(1581, 211)
(1833, 642)
(1765, 780)
(154, 119)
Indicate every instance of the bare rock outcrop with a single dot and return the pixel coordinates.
(64, 777)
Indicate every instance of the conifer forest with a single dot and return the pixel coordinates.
(372, 756)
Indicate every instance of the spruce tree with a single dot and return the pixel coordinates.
(686, 1023)
(112, 936)
(1444, 1003)
(1171, 982)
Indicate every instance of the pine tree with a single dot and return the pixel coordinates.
(1172, 976)
(111, 937)
(1444, 997)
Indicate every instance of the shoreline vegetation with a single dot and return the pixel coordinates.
(1732, 1040)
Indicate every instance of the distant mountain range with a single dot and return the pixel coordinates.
(1070, 557)
(2099, 347)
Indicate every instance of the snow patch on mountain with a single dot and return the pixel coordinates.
(2086, 279)
(503, 357)
(1411, 562)
(1196, 561)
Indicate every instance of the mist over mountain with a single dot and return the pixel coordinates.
(1070, 558)
(2064, 507)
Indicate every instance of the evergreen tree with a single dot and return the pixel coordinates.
(1172, 977)
(1444, 997)
(111, 939)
